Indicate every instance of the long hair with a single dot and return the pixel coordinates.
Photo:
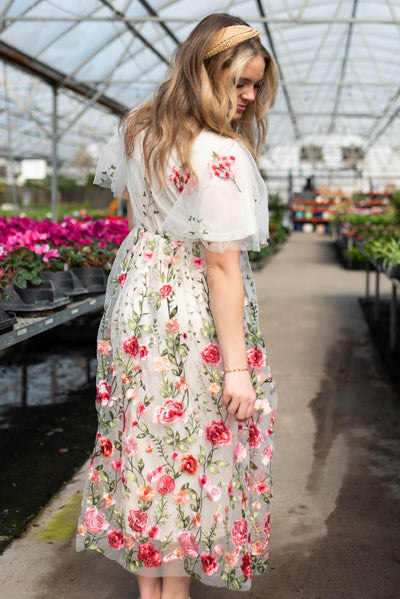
(195, 96)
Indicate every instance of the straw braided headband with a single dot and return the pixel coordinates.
(230, 36)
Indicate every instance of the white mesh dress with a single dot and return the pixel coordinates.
(176, 485)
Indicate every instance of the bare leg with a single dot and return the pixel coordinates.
(175, 587)
(149, 587)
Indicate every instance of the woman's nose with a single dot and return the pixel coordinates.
(249, 93)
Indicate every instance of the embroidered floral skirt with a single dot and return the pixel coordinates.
(176, 485)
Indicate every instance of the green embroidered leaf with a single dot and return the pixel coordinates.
(205, 333)
(146, 328)
(213, 469)
(174, 312)
(182, 446)
(221, 463)
(168, 440)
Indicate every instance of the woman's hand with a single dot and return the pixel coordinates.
(238, 395)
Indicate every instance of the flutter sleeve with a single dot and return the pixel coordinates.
(227, 208)
(111, 166)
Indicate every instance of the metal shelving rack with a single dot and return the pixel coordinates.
(27, 327)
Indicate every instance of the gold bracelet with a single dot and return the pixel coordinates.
(236, 370)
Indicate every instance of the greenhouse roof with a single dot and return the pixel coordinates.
(339, 69)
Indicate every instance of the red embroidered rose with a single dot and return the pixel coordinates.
(218, 433)
(261, 488)
(165, 290)
(143, 351)
(246, 564)
(165, 484)
(189, 464)
(103, 392)
(256, 358)
(168, 412)
(115, 538)
(211, 354)
(95, 521)
(137, 520)
(154, 532)
(239, 532)
(148, 555)
(255, 436)
(209, 563)
(131, 346)
(106, 447)
(122, 278)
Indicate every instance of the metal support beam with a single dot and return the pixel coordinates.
(54, 172)
(153, 13)
(121, 17)
(6, 21)
(343, 69)
(375, 132)
(56, 78)
(282, 77)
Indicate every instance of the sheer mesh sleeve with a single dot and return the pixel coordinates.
(111, 167)
(228, 206)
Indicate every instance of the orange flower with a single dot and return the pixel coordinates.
(214, 389)
(94, 476)
(196, 520)
(181, 497)
(149, 448)
(125, 379)
(180, 384)
(172, 325)
(129, 542)
(82, 530)
(230, 559)
(108, 499)
(258, 548)
(161, 364)
(104, 348)
(145, 493)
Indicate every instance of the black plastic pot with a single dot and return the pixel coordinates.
(94, 279)
(7, 321)
(65, 281)
(33, 298)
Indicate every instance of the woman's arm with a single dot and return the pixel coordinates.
(227, 305)
(129, 213)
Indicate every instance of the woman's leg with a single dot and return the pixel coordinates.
(149, 587)
(175, 587)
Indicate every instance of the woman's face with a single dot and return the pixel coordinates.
(249, 83)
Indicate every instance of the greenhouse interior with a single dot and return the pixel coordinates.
(327, 282)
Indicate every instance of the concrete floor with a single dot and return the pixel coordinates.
(335, 521)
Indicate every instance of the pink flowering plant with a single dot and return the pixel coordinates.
(29, 246)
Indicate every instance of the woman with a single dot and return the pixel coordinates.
(180, 479)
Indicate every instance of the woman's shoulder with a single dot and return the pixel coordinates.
(209, 144)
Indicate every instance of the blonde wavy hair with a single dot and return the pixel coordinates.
(196, 96)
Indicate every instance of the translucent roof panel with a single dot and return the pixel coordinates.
(339, 65)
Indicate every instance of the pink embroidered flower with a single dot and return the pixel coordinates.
(147, 256)
(188, 544)
(165, 484)
(198, 262)
(189, 464)
(143, 351)
(180, 178)
(223, 167)
(137, 520)
(256, 358)
(115, 538)
(213, 493)
(204, 481)
(95, 521)
(106, 447)
(153, 532)
(170, 411)
(218, 433)
(239, 532)
(116, 465)
(103, 393)
(266, 455)
(261, 488)
(211, 354)
(239, 453)
(181, 497)
(131, 346)
(129, 447)
(209, 564)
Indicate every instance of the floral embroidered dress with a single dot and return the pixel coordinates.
(176, 485)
